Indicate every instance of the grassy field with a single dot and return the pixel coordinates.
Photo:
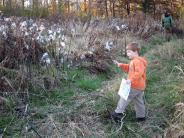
(78, 107)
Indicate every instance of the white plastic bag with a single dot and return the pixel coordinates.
(124, 89)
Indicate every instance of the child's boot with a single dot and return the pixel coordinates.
(116, 116)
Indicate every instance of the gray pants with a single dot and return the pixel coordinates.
(136, 97)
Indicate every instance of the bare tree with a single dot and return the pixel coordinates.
(113, 8)
(127, 3)
(106, 9)
(85, 6)
(89, 7)
(35, 4)
(60, 5)
(23, 4)
(2, 3)
(68, 5)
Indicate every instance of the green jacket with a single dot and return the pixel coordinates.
(167, 21)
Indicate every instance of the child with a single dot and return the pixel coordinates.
(136, 70)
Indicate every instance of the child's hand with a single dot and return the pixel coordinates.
(128, 81)
(115, 62)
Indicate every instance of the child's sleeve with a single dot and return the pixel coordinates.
(139, 69)
(124, 67)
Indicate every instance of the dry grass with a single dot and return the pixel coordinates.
(171, 50)
(142, 26)
(82, 119)
(176, 129)
(168, 58)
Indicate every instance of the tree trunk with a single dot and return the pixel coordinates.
(10, 5)
(78, 6)
(85, 6)
(106, 9)
(35, 8)
(59, 6)
(35, 4)
(23, 4)
(113, 8)
(3, 3)
(68, 5)
(128, 7)
(89, 7)
(154, 9)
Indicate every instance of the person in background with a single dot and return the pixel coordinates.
(136, 70)
(1, 15)
(167, 24)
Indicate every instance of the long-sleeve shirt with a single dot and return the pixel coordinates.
(136, 70)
